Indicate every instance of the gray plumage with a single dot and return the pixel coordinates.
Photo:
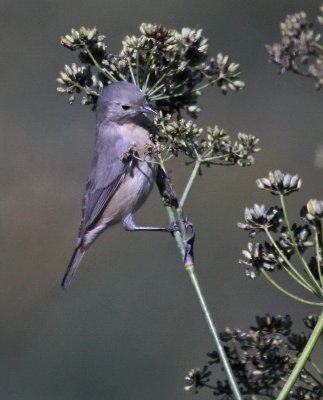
(116, 188)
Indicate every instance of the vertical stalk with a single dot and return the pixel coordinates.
(131, 72)
(180, 237)
(214, 333)
(302, 359)
(137, 68)
(190, 183)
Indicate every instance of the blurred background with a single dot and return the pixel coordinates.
(130, 325)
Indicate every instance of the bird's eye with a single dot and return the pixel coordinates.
(125, 107)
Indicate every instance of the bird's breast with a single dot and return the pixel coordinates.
(136, 135)
(139, 179)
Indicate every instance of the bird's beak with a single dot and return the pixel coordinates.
(147, 108)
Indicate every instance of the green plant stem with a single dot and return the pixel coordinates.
(289, 294)
(205, 85)
(155, 87)
(137, 68)
(290, 270)
(317, 331)
(316, 286)
(190, 183)
(147, 73)
(160, 97)
(104, 71)
(186, 191)
(78, 85)
(316, 368)
(131, 72)
(311, 374)
(177, 234)
(319, 46)
(179, 237)
(213, 331)
(321, 239)
(144, 88)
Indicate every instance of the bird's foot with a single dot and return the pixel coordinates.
(189, 243)
(189, 238)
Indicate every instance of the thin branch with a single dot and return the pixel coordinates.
(153, 89)
(137, 67)
(290, 270)
(102, 70)
(206, 85)
(318, 45)
(317, 369)
(190, 183)
(317, 287)
(289, 294)
(131, 71)
(147, 73)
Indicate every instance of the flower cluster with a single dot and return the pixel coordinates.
(261, 359)
(259, 219)
(300, 50)
(279, 183)
(76, 79)
(284, 240)
(211, 146)
(172, 67)
(313, 212)
(300, 234)
(197, 378)
(260, 256)
(87, 40)
(220, 149)
(181, 136)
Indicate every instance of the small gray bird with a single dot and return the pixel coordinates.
(116, 188)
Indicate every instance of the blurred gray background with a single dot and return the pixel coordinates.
(130, 325)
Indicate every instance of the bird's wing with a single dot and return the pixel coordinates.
(108, 171)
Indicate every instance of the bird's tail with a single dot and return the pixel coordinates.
(72, 267)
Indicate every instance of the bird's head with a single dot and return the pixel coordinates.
(122, 102)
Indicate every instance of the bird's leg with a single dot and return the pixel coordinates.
(129, 225)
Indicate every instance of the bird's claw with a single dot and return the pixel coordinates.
(189, 243)
(190, 231)
(173, 227)
(189, 238)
